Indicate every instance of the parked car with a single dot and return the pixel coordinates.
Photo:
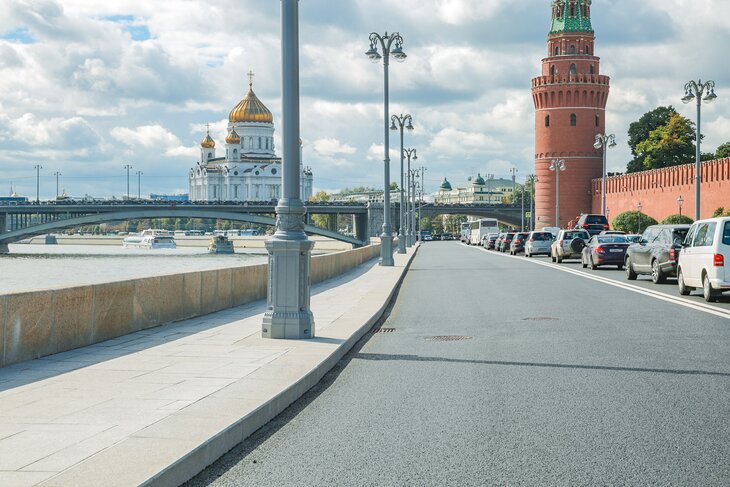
(506, 241)
(656, 252)
(612, 232)
(538, 243)
(605, 250)
(554, 230)
(498, 241)
(447, 236)
(705, 259)
(593, 224)
(568, 245)
(491, 240)
(436, 236)
(518, 243)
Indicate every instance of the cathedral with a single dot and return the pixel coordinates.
(249, 170)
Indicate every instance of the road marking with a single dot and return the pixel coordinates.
(629, 287)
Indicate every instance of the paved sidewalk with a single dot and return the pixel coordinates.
(157, 406)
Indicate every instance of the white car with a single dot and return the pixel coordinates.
(569, 245)
(705, 259)
(538, 243)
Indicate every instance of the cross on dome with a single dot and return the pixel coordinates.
(250, 78)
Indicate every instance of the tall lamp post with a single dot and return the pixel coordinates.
(127, 167)
(139, 185)
(604, 142)
(411, 237)
(398, 122)
(557, 166)
(37, 168)
(695, 91)
(57, 174)
(680, 202)
(532, 180)
(288, 314)
(386, 43)
(638, 218)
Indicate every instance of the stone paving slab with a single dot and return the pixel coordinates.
(157, 406)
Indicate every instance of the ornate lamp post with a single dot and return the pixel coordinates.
(638, 218)
(398, 122)
(386, 42)
(557, 166)
(689, 94)
(604, 142)
(288, 313)
(57, 174)
(411, 238)
(680, 202)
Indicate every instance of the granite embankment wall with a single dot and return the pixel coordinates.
(40, 323)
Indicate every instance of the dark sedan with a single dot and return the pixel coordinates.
(492, 240)
(518, 243)
(656, 253)
(605, 250)
(506, 241)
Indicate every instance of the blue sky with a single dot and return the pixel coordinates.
(87, 87)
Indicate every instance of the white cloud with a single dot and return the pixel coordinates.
(330, 146)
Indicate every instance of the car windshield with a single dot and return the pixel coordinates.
(596, 220)
(542, 236)
(680, 234)
(572, 235)
(609, 239)
(726, 234)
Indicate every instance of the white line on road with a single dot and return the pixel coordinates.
(629, 287)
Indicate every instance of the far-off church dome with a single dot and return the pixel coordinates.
(251, 109)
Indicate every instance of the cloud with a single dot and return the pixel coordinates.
(330, 147)
(154, 137)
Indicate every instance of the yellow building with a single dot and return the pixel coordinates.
(477, 191)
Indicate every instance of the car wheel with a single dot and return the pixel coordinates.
(709, 293)
(552, 257)
(529, 256)
(657, 276)
(559, 259)
(630, 273)
(583, 262)
(684, 290)
(593, 265)
(620, 267)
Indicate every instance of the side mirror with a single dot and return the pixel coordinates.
(678, 242)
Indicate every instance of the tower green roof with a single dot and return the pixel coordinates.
(445, 186)
(479, 181)
(571, 16)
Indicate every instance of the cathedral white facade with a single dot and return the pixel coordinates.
(249, 170)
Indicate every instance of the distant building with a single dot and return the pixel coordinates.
(250, 170)
(13, 197)
(169, 197)
(364, 197)
(478, 191)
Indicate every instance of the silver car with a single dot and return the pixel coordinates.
(569, 245)
(538, 243)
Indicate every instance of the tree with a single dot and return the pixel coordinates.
(641, 130)
(671, 144)
(718, 212)
(677, 220)
(723, 151)
(321, 221)
(631, 221)
(394, 186)
(516, 196)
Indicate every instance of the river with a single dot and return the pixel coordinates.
(34, 267)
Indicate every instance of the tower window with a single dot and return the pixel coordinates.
(571, 50)
(573, 69)
(557, 50)
(592, 69)
(552, 70)
(573, 120)
(598, 121)
(572, 10)
(547, 120)
(260, 143)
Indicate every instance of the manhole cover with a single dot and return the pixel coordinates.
(384, 330)
(540, 318)
(447, 338)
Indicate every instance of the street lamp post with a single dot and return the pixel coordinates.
(288, 314)
(638, 218)
(557, 165)
(386, 42)
(532, 179)
(127, 167)
(38, 168)
(604, 142)
(411, 240)
(398, 122)
(57, 174)
(139, 185)
(680, 202)
(689, 94)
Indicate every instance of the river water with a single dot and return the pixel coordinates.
(33, 267)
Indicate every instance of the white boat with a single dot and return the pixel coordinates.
(151, 239)
(220, 244)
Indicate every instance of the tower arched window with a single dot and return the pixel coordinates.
(572, 10)
(235, 152)
(547, 120)
(552, 70)
(573, 119)
(250, 142)
(573, 70)
(261, 145)
(592, 69)
(557, 50)
(598, 121)
(571, 50)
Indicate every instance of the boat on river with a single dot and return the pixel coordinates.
(151, 239)
(220, 244)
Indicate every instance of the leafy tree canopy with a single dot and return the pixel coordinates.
(677, 220)
(632, 222)
(723, 151)
(671, 144)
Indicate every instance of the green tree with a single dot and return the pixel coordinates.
(677, 220)
(632, 222)
(321, 221)
(671, 144)
(515, 197)
(718, 212)
(723, 151)
(394, 186)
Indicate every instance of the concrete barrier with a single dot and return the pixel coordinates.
(40, 323)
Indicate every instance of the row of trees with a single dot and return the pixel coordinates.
(170, 224)
(637, 222)
(664, 138)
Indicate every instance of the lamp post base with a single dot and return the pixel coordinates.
(4, 249)
(288, 315)
(401, 243)
(386, 251)
(409, 242)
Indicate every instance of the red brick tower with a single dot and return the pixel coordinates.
(570, 109)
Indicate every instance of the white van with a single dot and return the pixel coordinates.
(705, 259)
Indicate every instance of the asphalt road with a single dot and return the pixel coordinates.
(562, 380)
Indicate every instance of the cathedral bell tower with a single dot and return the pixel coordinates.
(570, 109)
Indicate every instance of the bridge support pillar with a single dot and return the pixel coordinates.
(332, 223)
(3, 222)
(360, 228)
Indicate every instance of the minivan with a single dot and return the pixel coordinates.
(705, 259)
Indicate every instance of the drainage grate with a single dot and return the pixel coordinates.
(384, 330)
(541, 318)
(447, 338)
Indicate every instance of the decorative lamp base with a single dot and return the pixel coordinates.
(386, 251)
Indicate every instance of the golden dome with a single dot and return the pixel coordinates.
(233, 137)
(250, 109)
(208, 142)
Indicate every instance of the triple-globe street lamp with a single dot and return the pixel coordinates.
(557, 166)
(411, 224)
(695, 91)
(399, 122)
(604, 142)
(390, 44)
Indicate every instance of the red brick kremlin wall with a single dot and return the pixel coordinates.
(658, 190)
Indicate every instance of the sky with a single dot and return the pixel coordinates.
(87, 87)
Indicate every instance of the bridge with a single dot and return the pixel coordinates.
(25, 220)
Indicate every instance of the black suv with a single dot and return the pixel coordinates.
(593, 224)
(656, 253)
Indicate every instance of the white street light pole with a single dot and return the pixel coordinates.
(689, 94)
(398, 122)
(410, 240)
(604, 142)
(557, 166)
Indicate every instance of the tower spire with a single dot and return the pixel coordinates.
(571, 16)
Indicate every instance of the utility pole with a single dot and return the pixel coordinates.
(38, 168)
(139, 185)
(127, 167)
(57, 174)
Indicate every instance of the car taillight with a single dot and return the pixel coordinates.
(719, 260)
(600, 250)
(518, 241)
(605, 226)
(531, 240)
(672, 254)
(585, 225)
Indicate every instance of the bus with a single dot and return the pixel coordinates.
(465, 233)
(482, 228)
